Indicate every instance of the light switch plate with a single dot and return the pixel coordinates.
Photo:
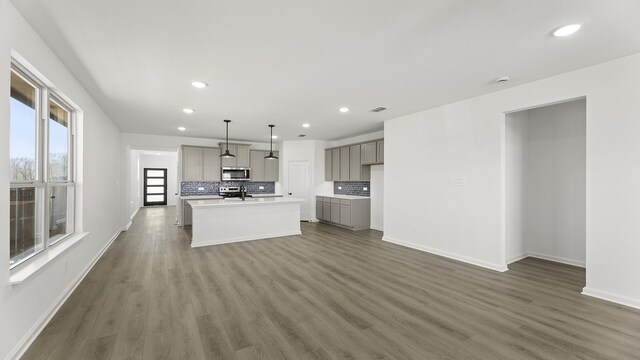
(339, 187)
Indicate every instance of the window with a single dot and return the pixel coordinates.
(41, 158)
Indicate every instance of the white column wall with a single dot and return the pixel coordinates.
(464, 141)
(25, 308)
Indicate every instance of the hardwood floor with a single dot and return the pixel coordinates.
(327, 294)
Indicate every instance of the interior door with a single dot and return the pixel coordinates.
(298, 185)
(155, 186)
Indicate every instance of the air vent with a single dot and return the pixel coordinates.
(378, 109)
(301, 135)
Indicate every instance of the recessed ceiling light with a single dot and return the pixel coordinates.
(343, 109)
(182, 128)
(306, 125)
(274, 136)
(187, 111)
(566, 30)
(199, 84)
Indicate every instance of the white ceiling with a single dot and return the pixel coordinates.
(288, 62)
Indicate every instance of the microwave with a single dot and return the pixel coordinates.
(235, 174)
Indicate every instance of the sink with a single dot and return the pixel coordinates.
(239, 199)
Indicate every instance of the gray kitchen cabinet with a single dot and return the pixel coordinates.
(344, 163)
(326, 211)
(187, 214)
(200, 163)
(319, 207)
(335, 213)
(271, 168)
(369, 153)
(257, 165)
(192, 163)
(335, 164)
(241, 151)
(327, 165)
(345, 215)
(263, 169)
(357, 172)
(242, 155)
(211, 164)
(353, 213)
(380, 152)
(229, 162)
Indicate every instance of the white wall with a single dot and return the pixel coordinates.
(25, 308)
(549, 212)
(377, 197)
(167, 160)
(464, 142)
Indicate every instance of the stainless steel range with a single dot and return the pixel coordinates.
(233, 191)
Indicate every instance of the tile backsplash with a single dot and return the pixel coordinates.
(353, 188)
(189, 188)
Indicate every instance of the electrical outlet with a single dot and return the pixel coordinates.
(260, 187)
(339, 187)
(200, 189)
(365, 188)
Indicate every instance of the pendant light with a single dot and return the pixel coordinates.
(271, 156)
(227, 154)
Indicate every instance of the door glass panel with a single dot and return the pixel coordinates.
(155, 173)
(155, 190)
(155, 181)
(155, 198)
(22, 128)
(24, 239)
(58, 142)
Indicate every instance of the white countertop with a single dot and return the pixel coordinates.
(346, 197)
(258, 201)
(200, 197)
(264, 195)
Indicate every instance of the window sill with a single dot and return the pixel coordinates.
(18, 276)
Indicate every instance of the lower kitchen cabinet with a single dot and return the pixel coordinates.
(187, 214)
(352, 213)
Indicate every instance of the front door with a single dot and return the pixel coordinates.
(155, 186)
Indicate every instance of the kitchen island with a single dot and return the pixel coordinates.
(222, 221)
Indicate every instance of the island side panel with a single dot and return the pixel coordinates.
(214, 225)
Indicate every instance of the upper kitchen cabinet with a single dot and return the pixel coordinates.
(327, 165)
(335, 164)
(241, 152)
(200, 163)
(357, 172)
(373, 153)
(264, 169)
(380, 150)
(344, 163)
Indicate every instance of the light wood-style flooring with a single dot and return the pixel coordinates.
(327, 294)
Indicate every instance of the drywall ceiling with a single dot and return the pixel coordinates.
(289, 62)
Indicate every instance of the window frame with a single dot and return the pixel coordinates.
(42, 184)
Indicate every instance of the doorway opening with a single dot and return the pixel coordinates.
(155, 186)
(545, 183)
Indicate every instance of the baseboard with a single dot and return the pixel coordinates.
(134, 214)
(517, 258)
(379, 228)
(557, 259)
(126, 227)
(245, 238)
(484, 264)
(603, 295)
(31, 336)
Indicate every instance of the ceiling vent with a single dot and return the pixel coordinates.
(378, 109)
